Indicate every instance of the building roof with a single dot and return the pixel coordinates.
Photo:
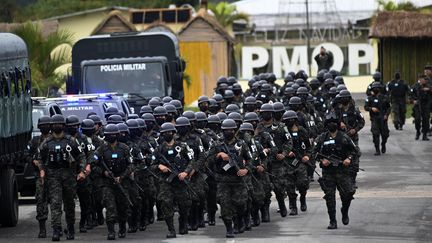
(114, 22)
(89, 11)
(206, 17)
(47, 27)
(401, 24)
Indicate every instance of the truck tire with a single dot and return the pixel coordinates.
(8, 198)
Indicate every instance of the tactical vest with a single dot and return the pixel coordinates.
(116, 160)
(58, 153)
(176, 155)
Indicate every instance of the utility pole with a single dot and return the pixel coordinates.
(308, 38)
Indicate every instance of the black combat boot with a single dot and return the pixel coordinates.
(133, 224)
(256, 217)
(425, 138)
(383, 148)
(293, 206)
(150, 213)
(82, 228)
(143, 221)
(377, 150)
(241, 225)
(89, 222)
(171, 229)
(111, 231)
(42, 229)
(211, 218)
(100, 217)
(193, 219)
(122, 230)
(200, 217)
(265, 213)
(344, 211)
(229, 228)
(56, 233)
(333, 222)
(417, 135)
(183, 224)
(282, 208)
(303, 206)
(247, 222)
(71, 232)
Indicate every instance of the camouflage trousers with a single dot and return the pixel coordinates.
(297, 178)
(340, 180)
(62, 189)
(84, 193)
(379, 128)
(232, 198)
(115, 202)
(211, 195)
(279, 179)
(148, 196)
(41, 196)
(171, 194)
(135, 197)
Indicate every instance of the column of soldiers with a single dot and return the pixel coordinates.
(233, 153)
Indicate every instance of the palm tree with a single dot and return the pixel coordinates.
(43, 59)
(389, 5)
(226, 13)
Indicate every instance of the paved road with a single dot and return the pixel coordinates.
(393, 204)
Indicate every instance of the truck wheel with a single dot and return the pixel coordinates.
(8, 198)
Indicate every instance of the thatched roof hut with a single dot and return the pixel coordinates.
(404, 43)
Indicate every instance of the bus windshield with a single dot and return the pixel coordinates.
(146, 79)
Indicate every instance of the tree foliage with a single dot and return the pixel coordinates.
(226, 13)
(43, 59)
(388, 5)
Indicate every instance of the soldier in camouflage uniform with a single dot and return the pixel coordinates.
(297, 169)
(58, 153)
(335, 151)
(174, 161)
(278, 154)
(41, 193)
(197, 177)
(113, 162)
(228, 159)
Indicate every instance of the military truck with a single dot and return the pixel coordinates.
(136, 65)
(15, 120)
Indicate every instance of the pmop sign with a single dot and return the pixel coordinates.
(256, 57)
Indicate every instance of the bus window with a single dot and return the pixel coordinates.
(6, 85)
(12, 83)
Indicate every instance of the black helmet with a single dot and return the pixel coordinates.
(218, 98)
(200, 116)
(320, 75)
(345, 94)
(289, 115)
(232, 108)
(44, 120)
(246, 127)
(182, 121)
(251, 116)
(331, 117)
(222, 116)
(295, 87)
(148, 117)
(301, 82)
(340, 87)
(295, 101)
(329, 81)
(231, 80)
(177, 103)
(133, 116)
(289, 91)
(122, 127)
(327, 76)
(228, 94)
(167, 127)
(213, 119)
(236, 86)
(159, 111)
(170, 108)
(376, 85)
(87, 124)
(145, 109)
(250, 100)
(267, 107)
(189, 115)
(266, 87)
(339, 79)
(314, 81)
(213, 103)
(114, 119)
(58, 119)
(221, 80)
(111, 129)
(167, 99)
(141, 123)
(334, 73)
(332, 91)
(96, 119)
(153, 103)
(229, 124)
(278, 106)
(302, 91)
(122, 114)
(132, 124)
(376, 76)
(235, 116)
(111, 111)
(251, 82)
(288, 78)
(202, 99)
